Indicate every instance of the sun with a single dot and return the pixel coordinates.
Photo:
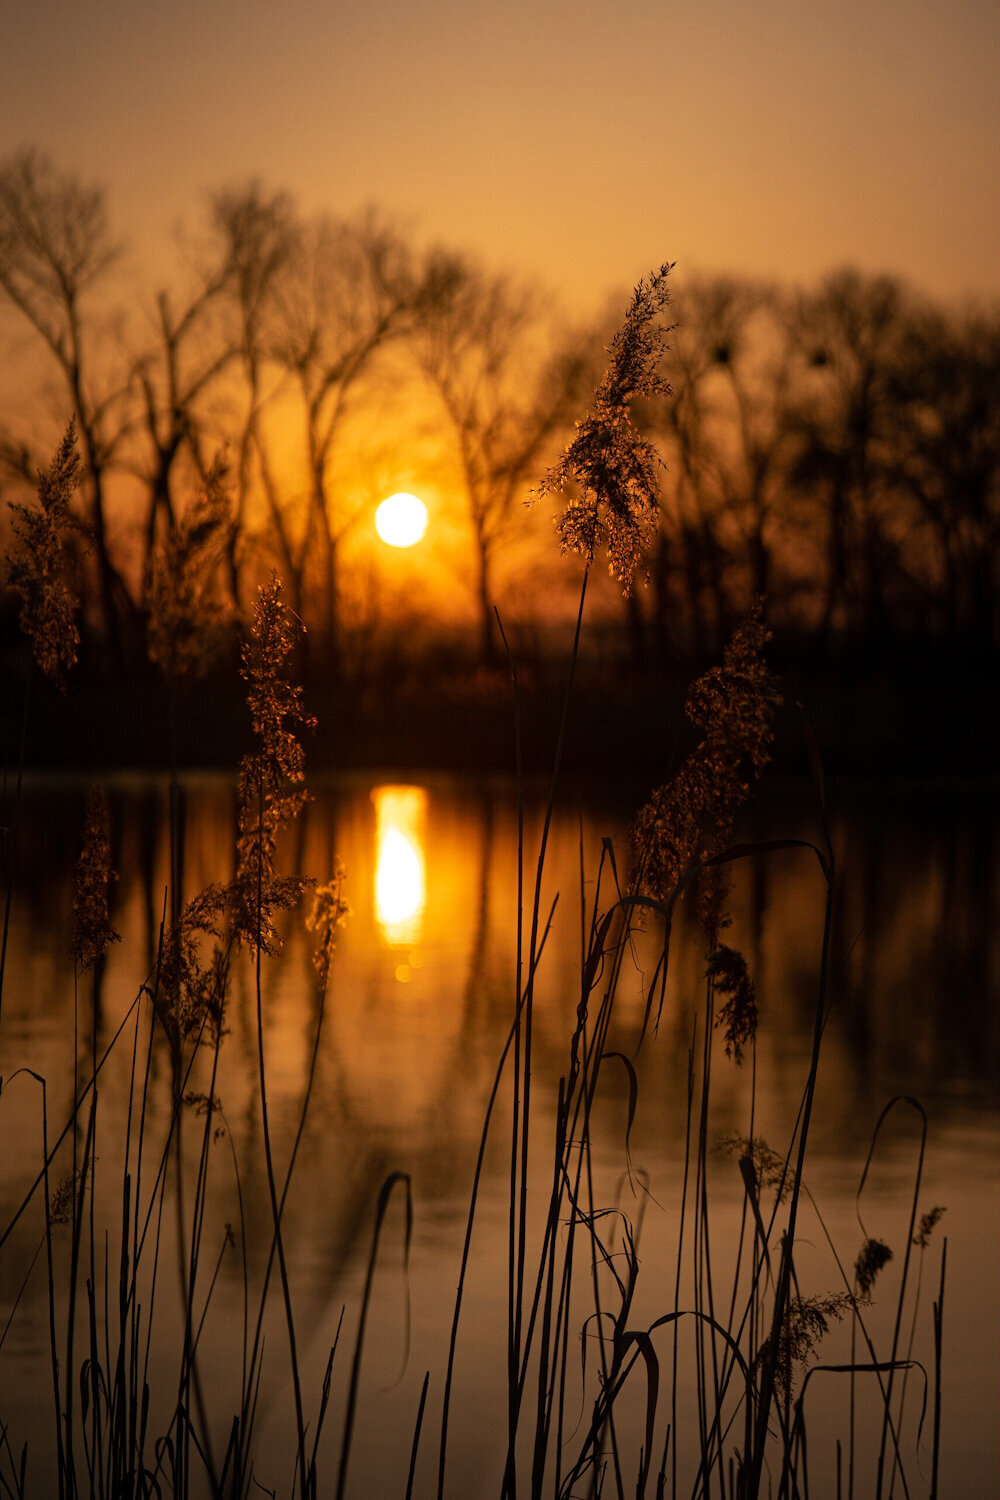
(401, 520)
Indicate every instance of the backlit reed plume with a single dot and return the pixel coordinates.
(187, 615)
(192, 988)
(329, 912)
(191, 992)
(872, 1257)
(690, 818)
(41, 571)
(765, 1166)
(271, 792)
(93, 933)
(927, 1225)
(614, 467)
(728, 971)
(806, 1322)
(64, 1194)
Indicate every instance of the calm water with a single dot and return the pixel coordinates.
(420, 999)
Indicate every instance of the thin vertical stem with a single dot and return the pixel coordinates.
(269, 1160)
(785, 1268)
(938, 1340)
(12, 849)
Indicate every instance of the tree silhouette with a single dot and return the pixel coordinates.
(506, 390)
(835, 450)
(727, 434)
(56, 251)
(944, 394)
(851, 331)
(345, 290)
(257, 229)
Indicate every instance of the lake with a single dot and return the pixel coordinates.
(420, 1001)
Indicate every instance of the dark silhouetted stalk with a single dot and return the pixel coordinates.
(938, 1342)
(767, 1385)
(352, 1393)
(271, 1182)
(70, 1124)
(53, 1347)
(886, 1415)
(416, 1437)
(12, 831)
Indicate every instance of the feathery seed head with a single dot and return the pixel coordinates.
(805, 1324)
(730, 975)
(92, 930)
(873, 1255)
(271, 792)
(191, 993)
(187, 617)
(690, 818)
(41, 571)
(768, 1168)
(928, 1222)
(613, 467)
(65, 1195)
(329, 912)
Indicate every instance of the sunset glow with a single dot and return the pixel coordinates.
(401, 520)
(683, 318)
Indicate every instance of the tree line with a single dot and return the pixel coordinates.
(834, 450)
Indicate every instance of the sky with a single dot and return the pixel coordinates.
(580, 144)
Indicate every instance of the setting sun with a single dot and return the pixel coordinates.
(401, 520)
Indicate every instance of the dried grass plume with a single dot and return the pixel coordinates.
(690, 818)
(612, 466)
(272, 791)
(187, 616)
(41, 570)
(93, 933)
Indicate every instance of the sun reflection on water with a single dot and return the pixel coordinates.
(400, 867)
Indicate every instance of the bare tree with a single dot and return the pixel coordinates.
(506, 392)
(56, 252)
(850, 332)
(726, 434)
(343, 292)
(945, 394)
(172, 377)
(257, 232)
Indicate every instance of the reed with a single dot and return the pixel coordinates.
(736, 1330)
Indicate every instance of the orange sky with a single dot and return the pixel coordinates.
(581, 143)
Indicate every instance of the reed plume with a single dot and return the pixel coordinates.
(730, 975)
(690, 818)
(329, 912)
(612, 466)
(927, 1225)
(271, 791)
(93, 933)
(187, 617)
(872, 1257)
(768, 1169)
(805, 1324)
(65, 1193)
(191, 994)
(41, 571)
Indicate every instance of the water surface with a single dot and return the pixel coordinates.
(420, 1000)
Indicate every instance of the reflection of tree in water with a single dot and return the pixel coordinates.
(915, 963)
